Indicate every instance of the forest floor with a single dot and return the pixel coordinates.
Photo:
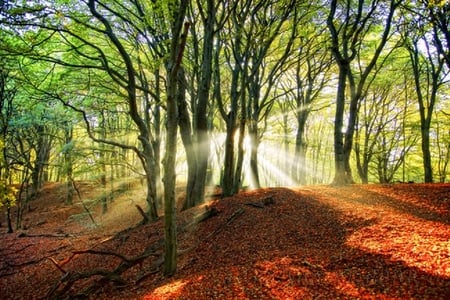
(315, 242)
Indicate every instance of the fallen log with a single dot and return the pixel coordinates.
(47, 235)
(230, 219)
(261, 203)
(208, 213)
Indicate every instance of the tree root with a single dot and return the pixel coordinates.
(69, 278)
(145, 218)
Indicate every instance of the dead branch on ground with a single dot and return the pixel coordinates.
(262, 202)
(230, 219)
(69, 278)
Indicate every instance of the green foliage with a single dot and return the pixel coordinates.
(23, 10)
(65, 56)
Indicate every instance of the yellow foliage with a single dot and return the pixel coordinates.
(7, 194)
(438, 3)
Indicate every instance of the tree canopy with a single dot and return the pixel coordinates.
(238, 94)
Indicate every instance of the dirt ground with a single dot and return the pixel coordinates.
(315, 242)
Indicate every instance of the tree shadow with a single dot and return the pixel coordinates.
(298, 249)
(377, 198)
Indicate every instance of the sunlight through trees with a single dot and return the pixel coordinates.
(184, 96)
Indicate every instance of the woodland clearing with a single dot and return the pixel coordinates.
(313, 242)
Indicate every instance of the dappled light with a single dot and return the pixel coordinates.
(273, 175)
(415, 243)
(170, 290)
(276, 165)
(185, 149)
(360, 241)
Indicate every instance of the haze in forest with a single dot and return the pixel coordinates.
(234, 94)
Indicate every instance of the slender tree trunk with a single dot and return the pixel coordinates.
(361, 161)
(254, 146)
(350, 131)
(68, 164)
(146, 155)
(8, 220)
(21, 202)
(174, 64)
(102, 161)
(237, 182)
(300, 145)
(426, 153)
(426, 97)
(252, 114)
(156, 143)
(169, 180)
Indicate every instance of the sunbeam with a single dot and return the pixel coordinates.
(274, 175)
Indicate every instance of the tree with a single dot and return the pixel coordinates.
(263, 21)
(103, 50)
(196, 134)
(178, 42)
(350, 24)
(7, 94)
(429, 76)
(233, 54)
(443, 146)
(311, 70)
(384, 115)
(267, 58)
(437, 14)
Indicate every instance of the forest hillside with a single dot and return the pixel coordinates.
(352, 242)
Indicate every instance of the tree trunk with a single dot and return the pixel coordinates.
(229, 161)
(299, 167)
(426, 153)
(252, 112)
(341, 171)
(254, 146)
(102, 160)
(361, 163)
(169, 180)
(202, 142)
(237, 182)
(184, 124)
(346, 39)
(244, 114)
(178, 43)
(156, 143)
(8, 219)
(68, 164)
(146, 155)
(43, 147)
(426, 97)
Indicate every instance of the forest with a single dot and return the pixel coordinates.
(218, 97)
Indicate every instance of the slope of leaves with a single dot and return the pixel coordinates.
(354, 242)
